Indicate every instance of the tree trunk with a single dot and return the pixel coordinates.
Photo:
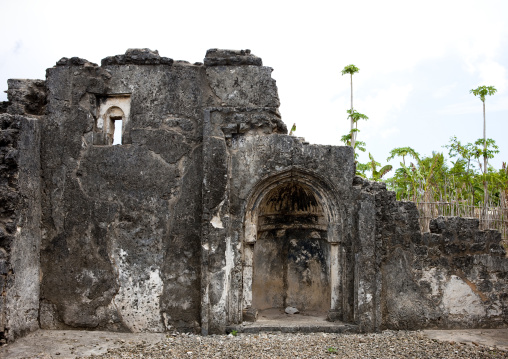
(352, 123)
(427, 211)
(485, 184)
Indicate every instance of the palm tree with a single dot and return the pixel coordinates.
(351, 69)
(483, 91)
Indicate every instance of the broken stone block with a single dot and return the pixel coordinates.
(250, 314)
(333, 315)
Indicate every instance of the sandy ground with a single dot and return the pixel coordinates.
(71, 344)
(485, 337)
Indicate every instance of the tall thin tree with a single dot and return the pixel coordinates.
(351, 69)
(483, 91)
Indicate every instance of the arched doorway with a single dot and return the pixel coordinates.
(291, 265)
(291, 245)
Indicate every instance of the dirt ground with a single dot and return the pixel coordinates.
(71, 344)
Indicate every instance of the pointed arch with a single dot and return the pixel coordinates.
(307, 201)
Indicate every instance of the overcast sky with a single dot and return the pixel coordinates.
(417, 59)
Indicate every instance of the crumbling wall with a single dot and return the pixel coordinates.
(26, 97)
(160, 231)
(365, 262)
(474, 280)
(243, 163)
(454, 276)
(121, 243)
(20, 213)
(248, 106)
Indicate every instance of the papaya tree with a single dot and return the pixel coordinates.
(355, 117)
(483, 91)
(359, 145)
(351, 70)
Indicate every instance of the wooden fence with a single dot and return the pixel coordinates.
(490, 217)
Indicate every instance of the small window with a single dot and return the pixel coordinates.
(114, 125)
(111, 125)
(117, 135)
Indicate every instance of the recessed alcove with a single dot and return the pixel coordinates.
(291, 265)
(292, 254)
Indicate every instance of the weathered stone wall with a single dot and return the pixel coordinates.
(169, 228)
(121, 243)
(365, 262)
(474, 291)
(248, 166)
(20, 214)
(248, 107)
(454, 276)
(26, 97)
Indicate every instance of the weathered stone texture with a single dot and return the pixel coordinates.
(137, 57)
(218, 57)
(124, 216)
(250, 162)
(121, 245)
(4, 106)
(243, 86)
(450, 277)
(75, 61)
(233, 121)
(26, 97)
(19, 225)
(207, 211)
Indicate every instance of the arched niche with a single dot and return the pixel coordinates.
(291, 259)
(112, 123)
(291, 244)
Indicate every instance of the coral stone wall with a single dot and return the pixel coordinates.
(206, 209)
(20, 213)
(121, 246)
(455, 276)
(121, 236)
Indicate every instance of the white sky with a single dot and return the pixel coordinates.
(417, 59)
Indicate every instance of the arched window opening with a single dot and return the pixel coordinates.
(114, 125)
(111, 125)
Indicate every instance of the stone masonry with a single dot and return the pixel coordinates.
(147, 194)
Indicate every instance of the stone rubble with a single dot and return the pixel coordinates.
(388, 344)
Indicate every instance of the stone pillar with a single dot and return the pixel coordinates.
(367, 279)
(248, 253)
(335, 312)
(216, 246)
(20, 234)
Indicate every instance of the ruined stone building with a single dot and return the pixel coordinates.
(148, 194)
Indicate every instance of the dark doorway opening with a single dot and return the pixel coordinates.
(291, 261)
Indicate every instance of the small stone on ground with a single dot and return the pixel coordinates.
(291, 310)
